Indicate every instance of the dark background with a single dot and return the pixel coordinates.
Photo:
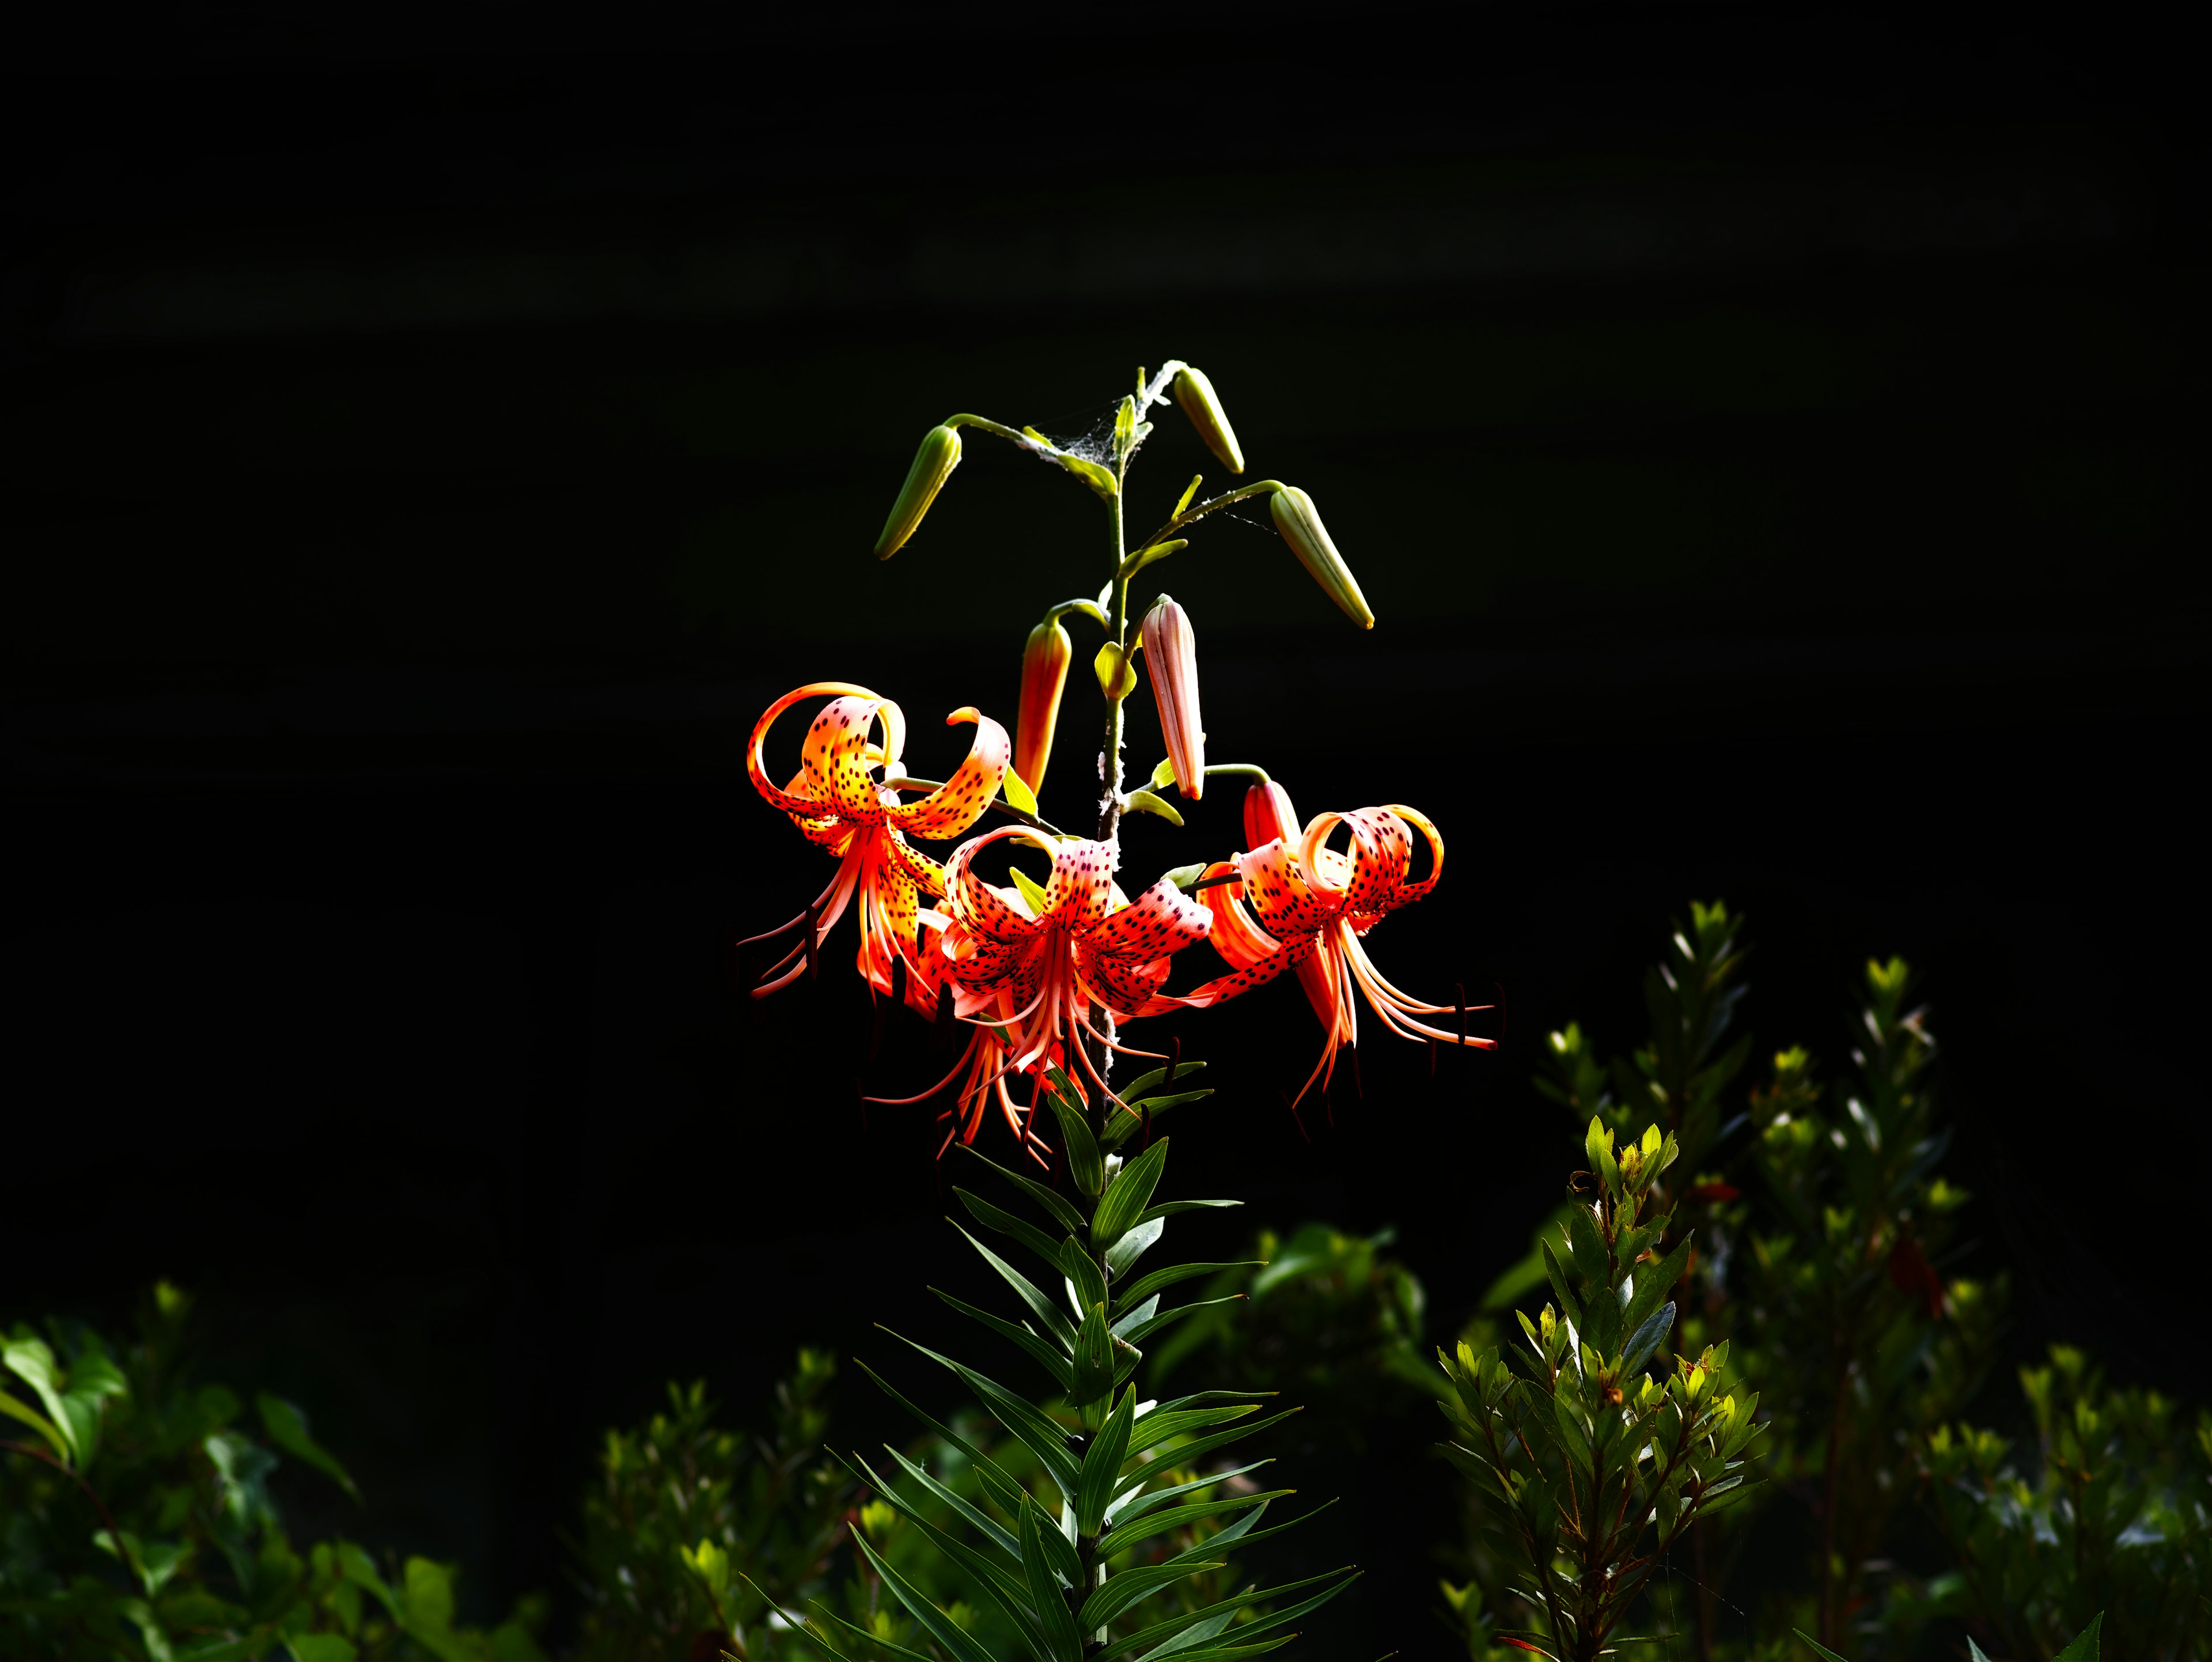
(1773, 450)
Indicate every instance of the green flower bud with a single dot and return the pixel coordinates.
(932, 464)
(1195, 394)
(1309, 539)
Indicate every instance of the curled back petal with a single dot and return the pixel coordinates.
(1160, 921)
(1128, 990)
(979, 908)
(1258, 973)
(924, 873)
(1382, 850)
(838, 754)
(793, 801)
(1409, 892)
(960, 801)
(1281, 898)
(1235, 935)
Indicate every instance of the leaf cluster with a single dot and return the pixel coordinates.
(139, 1522)
(1594, 1465)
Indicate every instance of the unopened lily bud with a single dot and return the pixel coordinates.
(1172, 651)
(1195, 394)
(932, 464)
(1309, 539)
(1268, 815)
(1044, 678)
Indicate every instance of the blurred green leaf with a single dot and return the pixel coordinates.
(288, 1429)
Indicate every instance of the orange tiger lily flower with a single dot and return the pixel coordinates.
(838, 804)
(1026, 977)
(1310, 905)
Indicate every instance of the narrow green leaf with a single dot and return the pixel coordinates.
(1030, 890)
(1155, 1523)
(1262, 1620)
(1175, 1626)
(1588, 1247)
(1122, 1257)
(1085, 1163)
(1133, 1505)
(1169, 1208)
(1223, 1652)
(1138, 1291)
(1654, 1283)
(1065, 1214)
(1136, 1087)
(1570, 1306)
(2085, 1645)
(1061, 1633)
(15, 1409)
(1572, 1438)
(939, 1626)
(1010, 1592)
(1003, 1489)
(814, 1632)
(32, 1362)
(1130, 1587)
(1006, 1223)
(288, 1429)
(1645, 1339)
(1102, 1466)
(1144, 1329)
(1017, 793)
(1188, 491)
(980, 1520)
(1205, 1446)
(1164, 775)
(1818, 1648)
(1094, 1359)
(1046, 1439)
(1086, 1286)
(1144, 801)
(1041, 1305)
(1053, 1362)
(1127, 1196)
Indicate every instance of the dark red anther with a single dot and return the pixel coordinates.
(808, 941)
(940, 1035)
(1294, 1120)
(1358, 1089)
(898, 980)
(1432, 1058)
(1145, 1112)
(1174, 1061)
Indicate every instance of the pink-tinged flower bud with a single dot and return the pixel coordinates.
(1171, 651)
(1268, 815)
(1044, 678)
(932, 464)
(1195, 394)
(1294, 516)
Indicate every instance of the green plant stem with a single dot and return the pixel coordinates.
(1109, 788)
(1263, 487)
(90, 1494)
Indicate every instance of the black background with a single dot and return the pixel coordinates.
(1773, 450)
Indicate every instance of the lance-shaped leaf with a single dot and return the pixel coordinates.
(17, 1409)
(1003, 1489)
(1085, 1163)
(1570, 1306)
(939, 1626)
(1102, 1466)
(1127, 1196)
(1055, 1362)
(1007, 1224)
(1169, 1208)
(1047, 1441)
(1086, 1286)
(1214, 1617)
(1144, 801)
(288, 1429)
(1040, 1306)
(1094, 1359)
(1133, 1585)
(1131, 1505)
(1011, 1592)
(1135, 1090)
(1122, 1257)
(982, 1521)
(1169, 1275)
(1653, 1283)
(1061, 1636)
(1646, 1338)
(1219, 1652)
(1201, 1446)
(1157, 1523)
(1067, 1217)
(1144, 1329)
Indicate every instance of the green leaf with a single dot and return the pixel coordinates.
(980, 1520)
(1047, 1441)
(1228, 1652)
(1143, 802)
(1127, 1196)
(1646, 1338)
(1086, 1286)
(1137, 1087)
(1016, 792)
(1155, 1523)
(1188, 491)
(1572, 1438)
(1131, 1586)
(1204, 1445)
(1164, 775)
(1122, 1256)
(1094, 1359)
(1227, 1609)
(1085, 1163)
(1133, 1505)
(1008, 1592)
(939, 1626)
(2085, 1644)
(1169, 1208)
(1053, 1362)
(1570, 1306)
(427, 1594)
(1135, 1294)
(1003, 1489)
(1090, 473)
(815, 1633)
(1181, 876)
(1818, 1648)
(320, 1647)
(1066, 1215)
(288, 1429)
(1029, 890)
(32, 1362)
(1653, 1283)
(1588, 1247)
(15, 1409)
(1102, 1466)
(1062, 1636)
(1144, 1329)
(1040, 1306)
